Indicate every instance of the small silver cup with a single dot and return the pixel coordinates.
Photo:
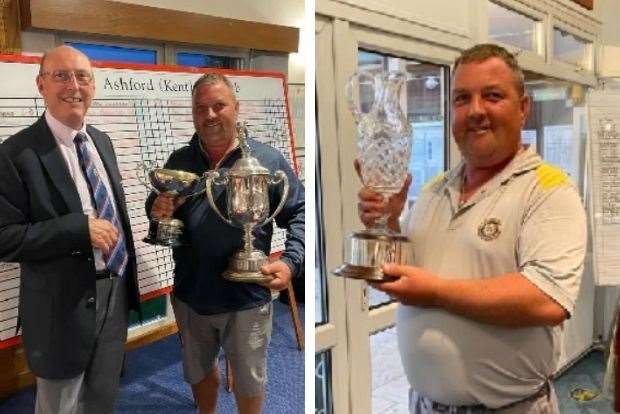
(247, 204)
(177, 183)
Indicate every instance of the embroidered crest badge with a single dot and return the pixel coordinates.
(489, 229)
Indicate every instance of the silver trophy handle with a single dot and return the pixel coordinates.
(279, 176)
(142, 175)
(204, 176)
(213, 177)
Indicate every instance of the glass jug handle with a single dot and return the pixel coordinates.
(355, 84)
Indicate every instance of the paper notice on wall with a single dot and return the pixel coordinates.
(604, 122)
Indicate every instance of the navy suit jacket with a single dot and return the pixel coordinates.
(43, 227)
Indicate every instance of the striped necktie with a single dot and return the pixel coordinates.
(116, 259)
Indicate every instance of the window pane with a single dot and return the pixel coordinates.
(425, 110)
(322, 384)
(511, 28)
(389, 383)
(202, 60)
(116, 53)
(571, 49)
(556, 125)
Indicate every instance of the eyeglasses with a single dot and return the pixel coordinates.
(82, 77)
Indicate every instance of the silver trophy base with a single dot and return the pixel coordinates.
(367, 252)
(164, 232)
(245, 267)
(371, 274)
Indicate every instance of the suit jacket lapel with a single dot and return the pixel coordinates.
(56, 166)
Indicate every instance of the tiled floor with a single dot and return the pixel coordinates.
(586, 374)
(389, 384)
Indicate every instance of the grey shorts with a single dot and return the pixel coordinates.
(244, 336)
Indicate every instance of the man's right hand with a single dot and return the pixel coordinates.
(371, 205)
(103, 235)
(165, 205)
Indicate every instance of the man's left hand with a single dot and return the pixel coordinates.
(414, 286)
(280, 272)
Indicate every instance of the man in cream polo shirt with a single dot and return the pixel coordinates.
(499, 244)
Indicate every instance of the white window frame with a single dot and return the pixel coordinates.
(589, 66)
(538, 16)
(347, 333)
(331, 336)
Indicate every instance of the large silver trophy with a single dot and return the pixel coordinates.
(176, 183)
(384, 147)
(247, 204)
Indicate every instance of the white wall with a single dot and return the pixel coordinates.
(609, 15)
(37, 42)
(610, 36)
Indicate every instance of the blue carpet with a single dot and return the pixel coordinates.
(153, 379)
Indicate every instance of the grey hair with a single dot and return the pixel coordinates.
(212, 78)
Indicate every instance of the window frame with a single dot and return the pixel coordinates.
(589, 66)
(172, 50)
(540, 45)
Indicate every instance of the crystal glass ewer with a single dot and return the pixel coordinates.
(384, 141)
(384, 136)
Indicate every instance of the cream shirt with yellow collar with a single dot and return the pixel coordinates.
(529, 218)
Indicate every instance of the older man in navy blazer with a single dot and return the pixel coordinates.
(63, 218)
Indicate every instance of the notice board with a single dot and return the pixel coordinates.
(604, 120)
(146, 111)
